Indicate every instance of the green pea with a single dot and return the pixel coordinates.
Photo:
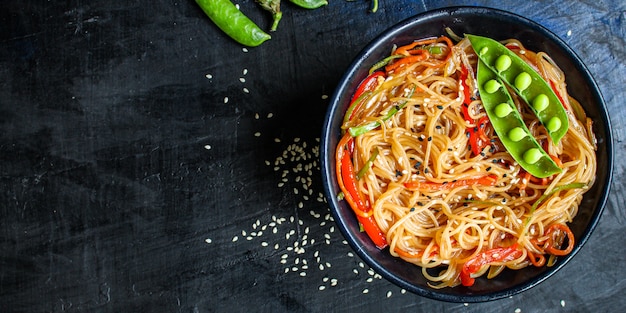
(492, 86)
(531, 156)
(553, 124)
(503, 63)
(483, 50)
(516, 134)
(522, 81)
(541, 102)
(502, 109)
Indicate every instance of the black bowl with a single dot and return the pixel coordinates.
(498, 25)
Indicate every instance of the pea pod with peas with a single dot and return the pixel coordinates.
(509, 125)
(526, 83)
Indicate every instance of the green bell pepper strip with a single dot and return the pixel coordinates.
(526, 82)
(366, 167)
(362, 129)
(309, 4)
(233, 22)
(272, 6)
(553, 191)
(509, 125)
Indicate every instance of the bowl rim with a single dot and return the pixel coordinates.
(328, 168)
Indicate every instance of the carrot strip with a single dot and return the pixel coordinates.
(550, 244)
(537, 260)
(488, 180)
(405, 49)
(423, 55)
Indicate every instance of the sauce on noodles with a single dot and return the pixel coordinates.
(427, 176)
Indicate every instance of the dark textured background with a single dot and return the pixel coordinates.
(128, 183)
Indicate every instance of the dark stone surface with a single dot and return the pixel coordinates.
(125, 175)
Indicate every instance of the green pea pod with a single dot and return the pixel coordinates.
(526, 82)
(309, 4)
(509, 125)
(272, 6)
(233, 22)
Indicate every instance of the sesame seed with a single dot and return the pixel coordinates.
(208, 240)
(518, 310)
(225, 99)
(209, 76)
(208, 147)
(245, 71)
(322, 287)
(245, 90)
(235, 238)
(563, 303)
(302, 274)
(366, 290)
(389, 294)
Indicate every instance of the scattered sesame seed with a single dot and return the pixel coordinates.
(235, 238)
(241, 79)
(208, 147)
(366, 290)
(563, 303)
(245, 71)
(225, 99)
(209, 76)
(257, 134)
(518, 310)
(389, 294)
(322, 287)
(243, 49)
(208, 240)
(324, 97)
(245, 90)
(270, 115)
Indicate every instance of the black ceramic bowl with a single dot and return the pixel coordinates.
(498, 25)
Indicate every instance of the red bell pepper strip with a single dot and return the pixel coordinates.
(477, 137)
(347, 183)
(488, 180)
(558, 95)
(368, 84)
(473, 265)
(365, 87)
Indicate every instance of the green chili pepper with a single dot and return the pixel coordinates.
(309, 4)
(509, 125)
(233, 22)
(362, 129)
(526, 82)
(272, 6)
